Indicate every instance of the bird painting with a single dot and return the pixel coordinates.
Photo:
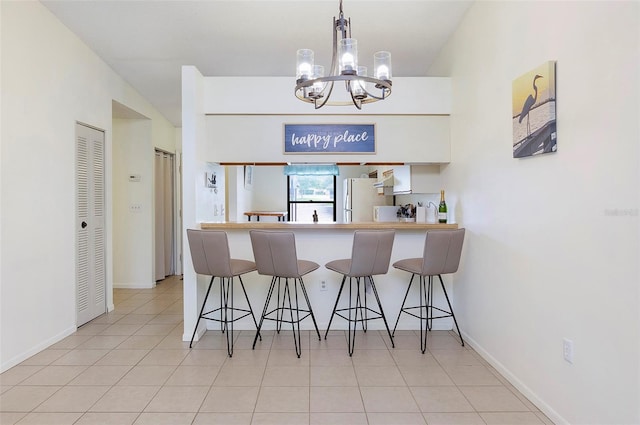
(533, 113)
(531, 100)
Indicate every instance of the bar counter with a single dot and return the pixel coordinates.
(397, 225)
(321, 243)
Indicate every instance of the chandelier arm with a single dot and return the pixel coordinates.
(357, 103)
(326, 98)
(385, 93)
(306, 83)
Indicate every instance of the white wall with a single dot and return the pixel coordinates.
(210, 201)
(410, 96)
(193, 137)
(50, 81)
(269, 192)
(133, 231)
(411, 125)
(260, 138)
(552, 241)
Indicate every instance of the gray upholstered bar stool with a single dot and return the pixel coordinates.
(275, 256)
(441, 255)
(370, 256)
(210, 256)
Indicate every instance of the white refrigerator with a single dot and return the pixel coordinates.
(359, 197)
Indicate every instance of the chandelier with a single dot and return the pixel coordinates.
(313, 86)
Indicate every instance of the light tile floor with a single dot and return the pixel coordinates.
(131, 367)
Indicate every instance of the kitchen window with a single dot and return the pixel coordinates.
(309, 194)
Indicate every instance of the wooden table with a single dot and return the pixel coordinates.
(282, 215)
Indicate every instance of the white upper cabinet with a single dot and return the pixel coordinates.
(416, 179)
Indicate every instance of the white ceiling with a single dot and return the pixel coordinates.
(148, 41)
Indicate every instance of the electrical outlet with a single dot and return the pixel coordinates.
(323, 285)
(135, 208)
(567, 350)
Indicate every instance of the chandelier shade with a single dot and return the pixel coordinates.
(313, 86)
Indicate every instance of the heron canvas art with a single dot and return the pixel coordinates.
(534, 111)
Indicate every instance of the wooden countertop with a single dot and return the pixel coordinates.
(327, 226)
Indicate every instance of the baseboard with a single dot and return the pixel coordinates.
(198, 335)
(132, 285)
(35, 350)
(517, 383)
(307, 325)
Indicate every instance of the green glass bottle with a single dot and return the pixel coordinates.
(442, 209)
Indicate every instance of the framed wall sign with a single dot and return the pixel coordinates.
(329, 138)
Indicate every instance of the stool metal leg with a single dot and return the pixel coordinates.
(313, 317)
(296, 336)
(249, 304)
(424, 304)
(264, 310)
(223, 327)
(363, 312)
(451, 310)
(351, 335)
(229, 312)
(430, 303)
(279, 313)
(344, 277)
(204, 303)
(403, 302)
(375, 292)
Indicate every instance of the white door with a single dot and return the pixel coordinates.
(90, 230)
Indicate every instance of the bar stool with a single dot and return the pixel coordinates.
(275, 256)
(210, 256)
(370, 256)
(442, 250)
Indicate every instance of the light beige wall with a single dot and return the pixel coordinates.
(133, 231)
(552, 241)
(50, 81)
(260, 138)
(412, 125)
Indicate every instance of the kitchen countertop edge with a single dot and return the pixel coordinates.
(326, 226)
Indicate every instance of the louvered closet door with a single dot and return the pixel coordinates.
(90, 236)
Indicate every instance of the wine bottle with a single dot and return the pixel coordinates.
(442, 209)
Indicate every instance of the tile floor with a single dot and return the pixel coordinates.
(131, 367)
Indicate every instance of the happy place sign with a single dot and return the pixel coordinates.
(329, 138)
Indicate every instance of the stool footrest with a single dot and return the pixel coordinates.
(426, 315)
(247, 313)
(283, 320)
(362, 319)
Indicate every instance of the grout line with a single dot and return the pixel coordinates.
(170, 296)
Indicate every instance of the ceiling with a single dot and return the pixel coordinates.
(148, 41)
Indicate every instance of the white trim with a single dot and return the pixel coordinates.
(517, 383)
(36, 349)
(132, 285)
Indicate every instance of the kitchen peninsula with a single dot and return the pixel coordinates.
(225, 136)
(324, 242)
